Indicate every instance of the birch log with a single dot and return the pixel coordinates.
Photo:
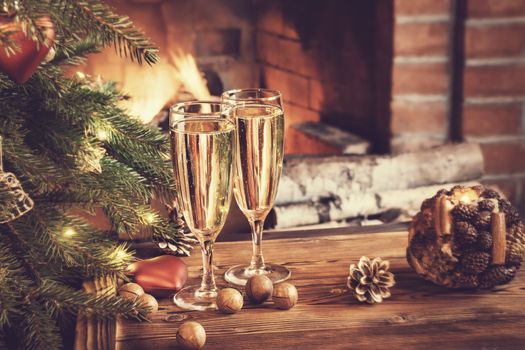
(307, 178)
(352, 205)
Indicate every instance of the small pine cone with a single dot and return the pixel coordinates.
(475, 262)
(428, 203)
(466, 281)
(497, 275)
(485, 240)
(490, 193)
(466, 234)
(487, 205)
(464, 212)
(512, 216)
(482, 220)
(516, 234)
(514, 254)
(504, 205)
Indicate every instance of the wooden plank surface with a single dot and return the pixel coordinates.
(419, 315)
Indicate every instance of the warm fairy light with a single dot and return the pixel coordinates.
(69, 232)
(121, 254)
(102, 135)
(149, 218)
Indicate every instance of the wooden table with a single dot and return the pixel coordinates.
(419, 315)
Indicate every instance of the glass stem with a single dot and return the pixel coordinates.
(208, 278)
(257, 262)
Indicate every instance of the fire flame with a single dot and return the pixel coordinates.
(188, 74)
(152, 89)
(149, 89)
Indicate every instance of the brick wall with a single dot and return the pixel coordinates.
(420, 75)
(316, 53)
(494, 90)
(494, 83)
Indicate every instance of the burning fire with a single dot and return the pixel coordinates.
(188, 74)
(151, 89)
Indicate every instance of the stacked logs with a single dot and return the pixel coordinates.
(316, 189)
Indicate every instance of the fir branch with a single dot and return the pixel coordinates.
(110, 28)
(74, 52)
(61, 298)
(39, 330)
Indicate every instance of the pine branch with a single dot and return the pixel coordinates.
(63, 299)
(110, 28)
(39, 330)
(74, 52)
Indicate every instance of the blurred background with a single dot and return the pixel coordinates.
(364, 83)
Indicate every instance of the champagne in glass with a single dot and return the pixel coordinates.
(259, 125)
(202, 142)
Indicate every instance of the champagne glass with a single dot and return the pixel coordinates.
(259, 124)
(202, 145)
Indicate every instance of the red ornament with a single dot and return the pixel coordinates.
(160, 276)
(23, 63)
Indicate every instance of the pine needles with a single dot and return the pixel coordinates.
(73, 148)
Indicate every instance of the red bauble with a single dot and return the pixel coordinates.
(160, 276)
(23, 63)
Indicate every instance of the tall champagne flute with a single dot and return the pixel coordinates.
(259, 124)
(202, 151)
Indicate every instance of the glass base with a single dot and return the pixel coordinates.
(240, 274)
(191, 298)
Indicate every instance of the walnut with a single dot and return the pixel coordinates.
(285, 296)
(229, 300)
(259, 288)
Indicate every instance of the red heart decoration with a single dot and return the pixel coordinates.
(160, 276)
(23, 63)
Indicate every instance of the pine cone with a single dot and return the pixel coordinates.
(512, 216)
(485, 241)
(516, 234)
(427, 203)
(466, 234)
(370, 280)
(504, 205)
(464, 212)
(475, 262)
(466, 281)
(487, 205)
(514, 254)
(490, 193)
(180, 245)
(482, 220)
(496, 275)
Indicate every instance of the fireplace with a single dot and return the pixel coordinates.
(381, 77)
(330, 59)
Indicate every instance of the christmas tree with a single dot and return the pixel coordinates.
(67, 145)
